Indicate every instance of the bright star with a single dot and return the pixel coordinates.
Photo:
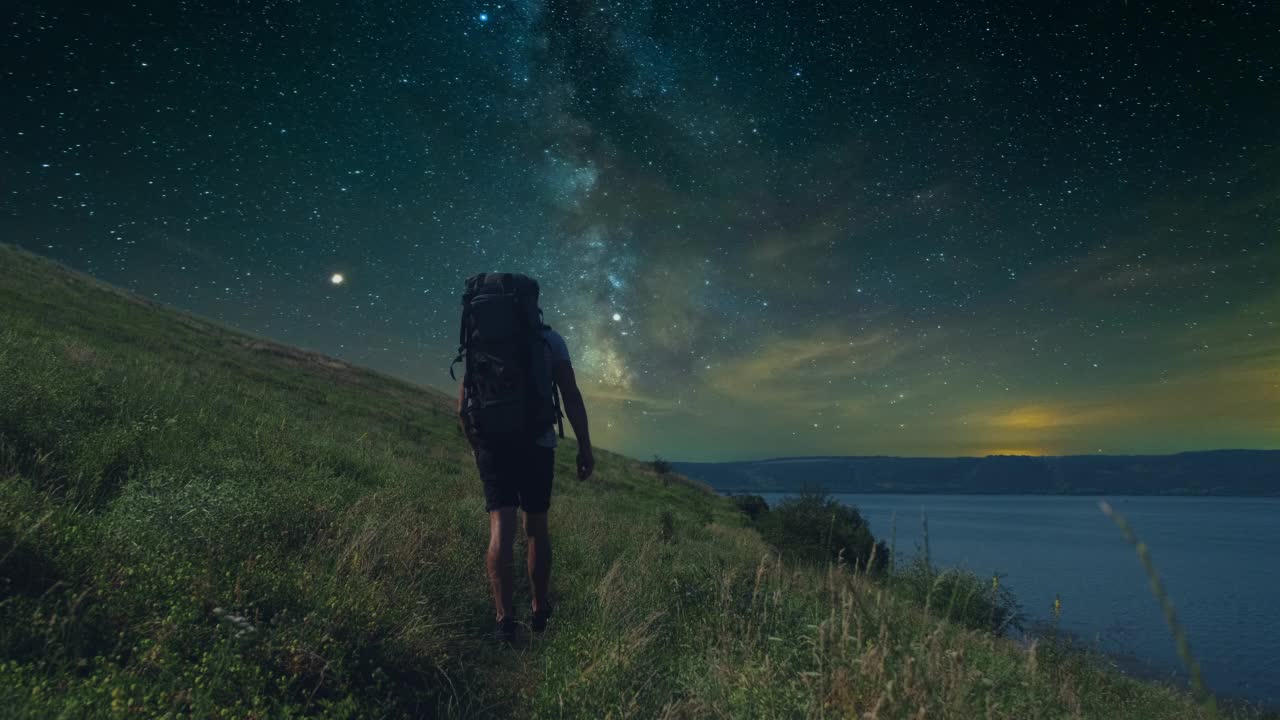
(337, 279)
(616, 317)
(484, 17)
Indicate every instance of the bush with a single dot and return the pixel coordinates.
(660, 465)
(816, 528)
(666, 526)
(960, 596)
(753, 506)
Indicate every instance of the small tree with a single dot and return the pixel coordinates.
(660, 466)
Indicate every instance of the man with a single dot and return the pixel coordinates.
(518, 474)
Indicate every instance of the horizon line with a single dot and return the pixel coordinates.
(782, 458)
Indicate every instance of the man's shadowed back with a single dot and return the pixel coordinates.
(515, 465)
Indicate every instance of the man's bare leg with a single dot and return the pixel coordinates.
(539, 540)
(502, 533)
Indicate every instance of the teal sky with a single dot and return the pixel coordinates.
(764, 230)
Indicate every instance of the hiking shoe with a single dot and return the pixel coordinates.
(538, 622)
(505, 631)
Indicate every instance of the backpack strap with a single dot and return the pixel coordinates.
(462, 331)
(555, 401)
(555, 389)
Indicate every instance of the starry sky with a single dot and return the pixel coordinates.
(763, 228)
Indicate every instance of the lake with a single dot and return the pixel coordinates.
(1215, 555)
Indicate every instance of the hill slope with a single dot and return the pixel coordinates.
(202, 523)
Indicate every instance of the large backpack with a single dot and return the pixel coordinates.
(509, 393)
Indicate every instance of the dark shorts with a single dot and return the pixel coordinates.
(516, 476)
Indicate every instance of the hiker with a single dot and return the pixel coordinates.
(509, 408)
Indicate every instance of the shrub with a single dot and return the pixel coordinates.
(666, 526)
(660, 465)
(960, 596)
(816, 528)
(753, 506)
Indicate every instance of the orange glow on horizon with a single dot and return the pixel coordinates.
(1031, 452)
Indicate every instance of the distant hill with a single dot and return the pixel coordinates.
(1214, 472)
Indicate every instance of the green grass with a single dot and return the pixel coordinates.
(198, 523)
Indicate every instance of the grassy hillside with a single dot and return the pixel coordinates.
(198, 523)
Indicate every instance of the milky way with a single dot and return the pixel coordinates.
(763, 228)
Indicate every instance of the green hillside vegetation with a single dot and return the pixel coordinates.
(199, 523)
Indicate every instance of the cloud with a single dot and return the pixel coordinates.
(801, 373)
(1192, 409)
(651, 404)
(1053, 416)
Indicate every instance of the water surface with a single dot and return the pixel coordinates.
(1216, 556)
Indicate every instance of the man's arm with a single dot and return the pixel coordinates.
(576, 411)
